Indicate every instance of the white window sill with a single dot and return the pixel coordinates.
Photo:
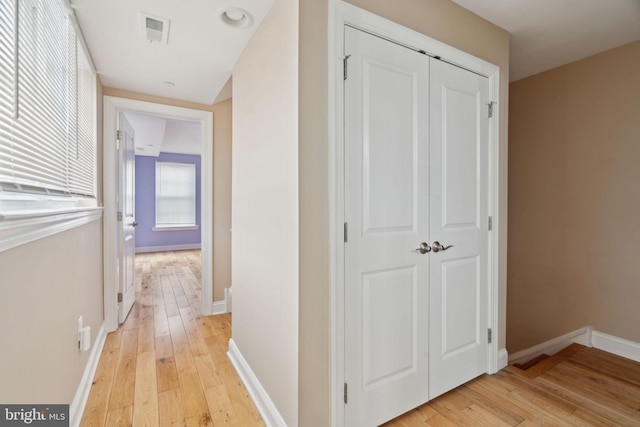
(176, 228)
(26, 219)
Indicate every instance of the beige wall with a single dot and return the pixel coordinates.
(221, 180)
(46, 286)
(221, 198)
(314, 367)
(574, 200)
(265, 206)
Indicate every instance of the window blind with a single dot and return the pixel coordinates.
(8, 25)
(47, 98)
(175, 194)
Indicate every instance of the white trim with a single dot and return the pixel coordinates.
(585, 336)
(580, 336)
(175, 228)
(18, 229)
(167, 248)
(341, 14)
(224, 306)
(76, 409)
(503, 358)
(219, 307)
(259, 395)
(616, 345)
(111, 107)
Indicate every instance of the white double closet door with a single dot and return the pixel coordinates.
(416, 173)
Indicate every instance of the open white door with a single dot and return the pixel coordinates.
(458, 318)
(126, 218)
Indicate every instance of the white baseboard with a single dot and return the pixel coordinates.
(168, 248)
(585, 336)
(219, 307)
(76, 409)
(259, 395)
(580, 336)
(224, 306)
(503, 358)
(615, 345)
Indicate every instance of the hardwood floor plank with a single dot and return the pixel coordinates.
(497, 407)
(120, 417)
(208, 373)
(166, 370)
(196, 342)
(146, 335)
(123, 386)
(483, 417)
(113, 339)
(220, 407)
(411, 418)
(171, 411)
(95, 412)
(145, 410)
(585, 395)
(238, 395)
(196, 410)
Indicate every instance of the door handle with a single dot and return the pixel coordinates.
(437, 247)
(424, 248)
(134, 224)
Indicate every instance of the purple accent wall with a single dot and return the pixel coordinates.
(146, 203)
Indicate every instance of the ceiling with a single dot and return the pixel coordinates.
(155, 134)
(548, 33)
(197, 60)
(201, 49)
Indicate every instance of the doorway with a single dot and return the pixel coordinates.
(167, 196)
(111, 107)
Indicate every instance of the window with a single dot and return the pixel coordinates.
(47, 115)
(47, 103)
(175, 195)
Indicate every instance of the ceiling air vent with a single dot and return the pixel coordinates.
(154, 29)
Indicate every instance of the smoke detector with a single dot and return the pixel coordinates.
(154, 29)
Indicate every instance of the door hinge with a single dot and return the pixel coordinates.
(490, 223)
(346, 393)
(491, 104)
(119, 216)
(346, 232)
(118, 135)
(344, 63)
(489, 335)
(119, 296)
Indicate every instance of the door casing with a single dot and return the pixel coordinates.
(341, 15)
(111, 107)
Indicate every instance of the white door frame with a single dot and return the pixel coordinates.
(111, 107)
(341, 14)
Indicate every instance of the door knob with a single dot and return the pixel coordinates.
(437, 247)
(134, 224)
(424, 248)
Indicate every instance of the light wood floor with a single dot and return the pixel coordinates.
(167, 366)
(589, 387)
